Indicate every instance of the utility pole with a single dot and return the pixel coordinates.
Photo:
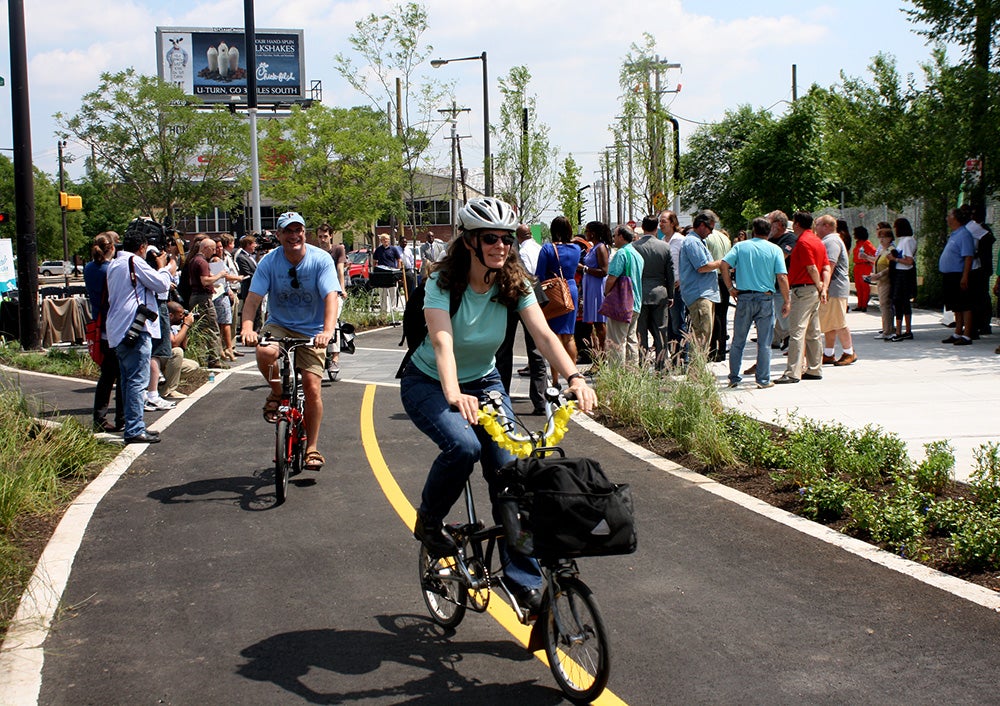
(62, 209)
(655, 132)
(24, 181)
(453, 112)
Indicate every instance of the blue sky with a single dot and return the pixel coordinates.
(732, 53)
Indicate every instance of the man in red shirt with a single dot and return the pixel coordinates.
(808, 280)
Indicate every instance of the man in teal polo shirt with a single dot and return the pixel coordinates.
(759, 264)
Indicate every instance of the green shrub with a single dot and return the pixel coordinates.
(897, 519)
(985, 477)
(933, 474)
(753, 442)
(944, 515)
(976, 541)
(872, 456)
(825, 498)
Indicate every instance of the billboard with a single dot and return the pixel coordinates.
(209, 62)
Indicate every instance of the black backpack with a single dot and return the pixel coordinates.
(414, 323)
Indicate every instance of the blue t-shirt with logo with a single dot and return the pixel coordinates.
(300, 309)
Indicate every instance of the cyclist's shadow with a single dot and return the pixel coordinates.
(252, 493)
(408, 640)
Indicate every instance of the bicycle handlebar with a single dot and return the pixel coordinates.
(559, 407)
(286, 342)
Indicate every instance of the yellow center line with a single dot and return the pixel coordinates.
(499, 610)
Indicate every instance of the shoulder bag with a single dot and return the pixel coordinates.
(560, 301)
(619, 303)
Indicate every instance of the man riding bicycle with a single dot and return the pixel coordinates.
(455, 367)
(301, 284)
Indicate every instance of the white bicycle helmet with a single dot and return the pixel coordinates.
(487, 212)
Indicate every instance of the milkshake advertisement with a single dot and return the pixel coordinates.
(210, 63)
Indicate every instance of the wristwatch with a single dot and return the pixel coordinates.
(572, 377)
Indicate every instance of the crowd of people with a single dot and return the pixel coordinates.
(147, 296)
(667, 288)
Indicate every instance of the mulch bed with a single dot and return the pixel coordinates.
(757, 483)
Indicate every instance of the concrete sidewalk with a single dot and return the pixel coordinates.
(921, 390)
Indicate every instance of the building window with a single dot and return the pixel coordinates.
(429, 212)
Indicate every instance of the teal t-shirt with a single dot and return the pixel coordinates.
(478, 329)
(757, 262)
(628, 262)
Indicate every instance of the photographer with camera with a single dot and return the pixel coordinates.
(132, 323)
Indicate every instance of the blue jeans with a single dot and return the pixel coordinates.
(752, 308)
(461, 446)
(134, 364)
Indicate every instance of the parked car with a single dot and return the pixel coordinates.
(358, 262)
(51, 268)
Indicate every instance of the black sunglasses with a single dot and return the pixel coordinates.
(492, 238)
(295, 277)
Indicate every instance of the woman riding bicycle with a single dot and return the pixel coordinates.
(453, 370)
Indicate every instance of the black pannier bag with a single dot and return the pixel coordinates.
(562, 508)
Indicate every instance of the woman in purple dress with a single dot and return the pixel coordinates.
(595, 270)
(563, 264)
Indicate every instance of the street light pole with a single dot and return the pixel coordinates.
(62, 208)
(487, 157)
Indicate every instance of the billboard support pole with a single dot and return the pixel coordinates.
(250, 32)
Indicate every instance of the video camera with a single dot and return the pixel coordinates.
(149, 229)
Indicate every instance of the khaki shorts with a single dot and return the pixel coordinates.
(833, 315)
(308, 360)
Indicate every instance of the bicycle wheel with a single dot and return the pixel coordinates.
(576, 641)
(444, 595)
(282, 460)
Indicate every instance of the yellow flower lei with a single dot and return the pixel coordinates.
(522, 449)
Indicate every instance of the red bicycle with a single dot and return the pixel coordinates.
(289, 428)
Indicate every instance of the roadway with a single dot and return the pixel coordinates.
(191, 587)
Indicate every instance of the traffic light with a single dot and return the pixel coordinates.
(4, 218)
(70, 202)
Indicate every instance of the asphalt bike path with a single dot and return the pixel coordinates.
(191, 587)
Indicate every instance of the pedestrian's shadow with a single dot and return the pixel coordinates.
(253, 493)
(300, 661)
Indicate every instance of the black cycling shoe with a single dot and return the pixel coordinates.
(432, 535)
(530, 601)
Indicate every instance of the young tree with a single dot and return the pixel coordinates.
(339, 165)
(522, 160)
(162, 154)
(391, 46)
(570, 192)
(645, 127)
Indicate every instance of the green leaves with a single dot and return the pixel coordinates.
(338, 165)
(160, 152)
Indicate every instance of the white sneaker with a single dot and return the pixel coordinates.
(158, 404)
(879, 336)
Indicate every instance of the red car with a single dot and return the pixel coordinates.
(358, 262)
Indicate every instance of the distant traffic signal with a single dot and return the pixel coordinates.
(4, 217)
